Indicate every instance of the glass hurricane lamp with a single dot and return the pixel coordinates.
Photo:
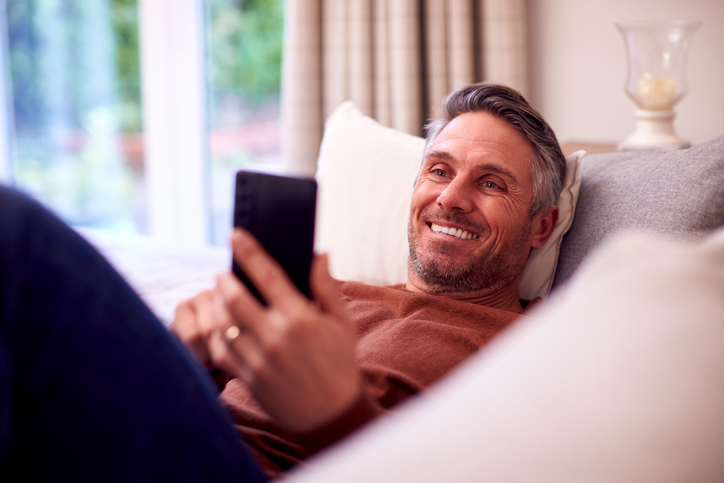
(656, 80)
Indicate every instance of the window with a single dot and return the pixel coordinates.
(133, 115)
(75, 109)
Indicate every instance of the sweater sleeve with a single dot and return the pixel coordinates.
(361, 412)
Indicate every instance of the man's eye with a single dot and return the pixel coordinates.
(438, 172)
(491, 185)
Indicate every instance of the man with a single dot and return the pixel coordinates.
(306, 374)
(91, 383)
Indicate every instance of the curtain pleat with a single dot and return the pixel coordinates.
(436, 53)
(505, 43)
(335, 54)
(395, 59)
(302, 118)
(382, 82)
(405, 72)
(361, 52)
(461, 43)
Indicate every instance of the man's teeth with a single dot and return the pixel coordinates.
(453, 231)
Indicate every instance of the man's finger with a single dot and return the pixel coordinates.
(186, 328)
(324, 288)
(236, 352)
(225, 357)
(240, 307)
(203, 304)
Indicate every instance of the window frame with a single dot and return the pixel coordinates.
(175, 119)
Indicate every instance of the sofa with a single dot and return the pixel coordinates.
(619, 376)
(366, 173)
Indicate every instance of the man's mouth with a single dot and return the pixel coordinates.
(456, 232)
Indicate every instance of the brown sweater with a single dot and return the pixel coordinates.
(405, 342)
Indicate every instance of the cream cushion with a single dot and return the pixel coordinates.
(618, 378)
(366, 173)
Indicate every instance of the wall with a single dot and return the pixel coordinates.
(578, 66)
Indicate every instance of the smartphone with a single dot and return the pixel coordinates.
(279, 211)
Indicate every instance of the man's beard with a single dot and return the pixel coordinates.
(490, 273)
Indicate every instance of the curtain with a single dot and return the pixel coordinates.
(395, 59)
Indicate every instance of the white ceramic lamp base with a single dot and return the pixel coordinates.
(654, 131)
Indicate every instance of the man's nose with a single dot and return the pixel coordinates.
(456, 196)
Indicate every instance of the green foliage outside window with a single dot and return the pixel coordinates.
(244, 45)
(245, 51)
(124, 15)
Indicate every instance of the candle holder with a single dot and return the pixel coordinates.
(656, 82)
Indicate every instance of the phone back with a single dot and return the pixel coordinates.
(279, 211)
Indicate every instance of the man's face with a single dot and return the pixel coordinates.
(470, 229)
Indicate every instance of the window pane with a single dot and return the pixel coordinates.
(77, 144)
(245, 50)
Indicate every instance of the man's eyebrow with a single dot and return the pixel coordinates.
(439, 155)
(495, 168)
(501, 170)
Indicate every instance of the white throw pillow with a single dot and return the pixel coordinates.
(540, 270)
(366, 173)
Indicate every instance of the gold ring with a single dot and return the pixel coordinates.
(232, 333)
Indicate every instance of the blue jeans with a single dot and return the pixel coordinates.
(92, 386)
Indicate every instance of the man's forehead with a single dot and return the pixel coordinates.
(482, 127)
(484, 139)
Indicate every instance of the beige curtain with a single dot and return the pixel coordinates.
(395, 59)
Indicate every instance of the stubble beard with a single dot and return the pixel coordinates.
(489, 273)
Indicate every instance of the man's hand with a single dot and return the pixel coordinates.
(296, 356)
(194, 321)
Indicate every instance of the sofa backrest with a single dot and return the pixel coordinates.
(673, 194)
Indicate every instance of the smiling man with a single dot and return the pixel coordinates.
(307, 374)
(472, 221)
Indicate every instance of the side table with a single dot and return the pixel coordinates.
(591, 147)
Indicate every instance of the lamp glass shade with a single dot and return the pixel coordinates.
(657, 61)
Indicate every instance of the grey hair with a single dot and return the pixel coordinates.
(548, 167)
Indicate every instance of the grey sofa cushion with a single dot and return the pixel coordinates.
(675, 193)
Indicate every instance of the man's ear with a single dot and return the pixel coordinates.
(543, 225)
